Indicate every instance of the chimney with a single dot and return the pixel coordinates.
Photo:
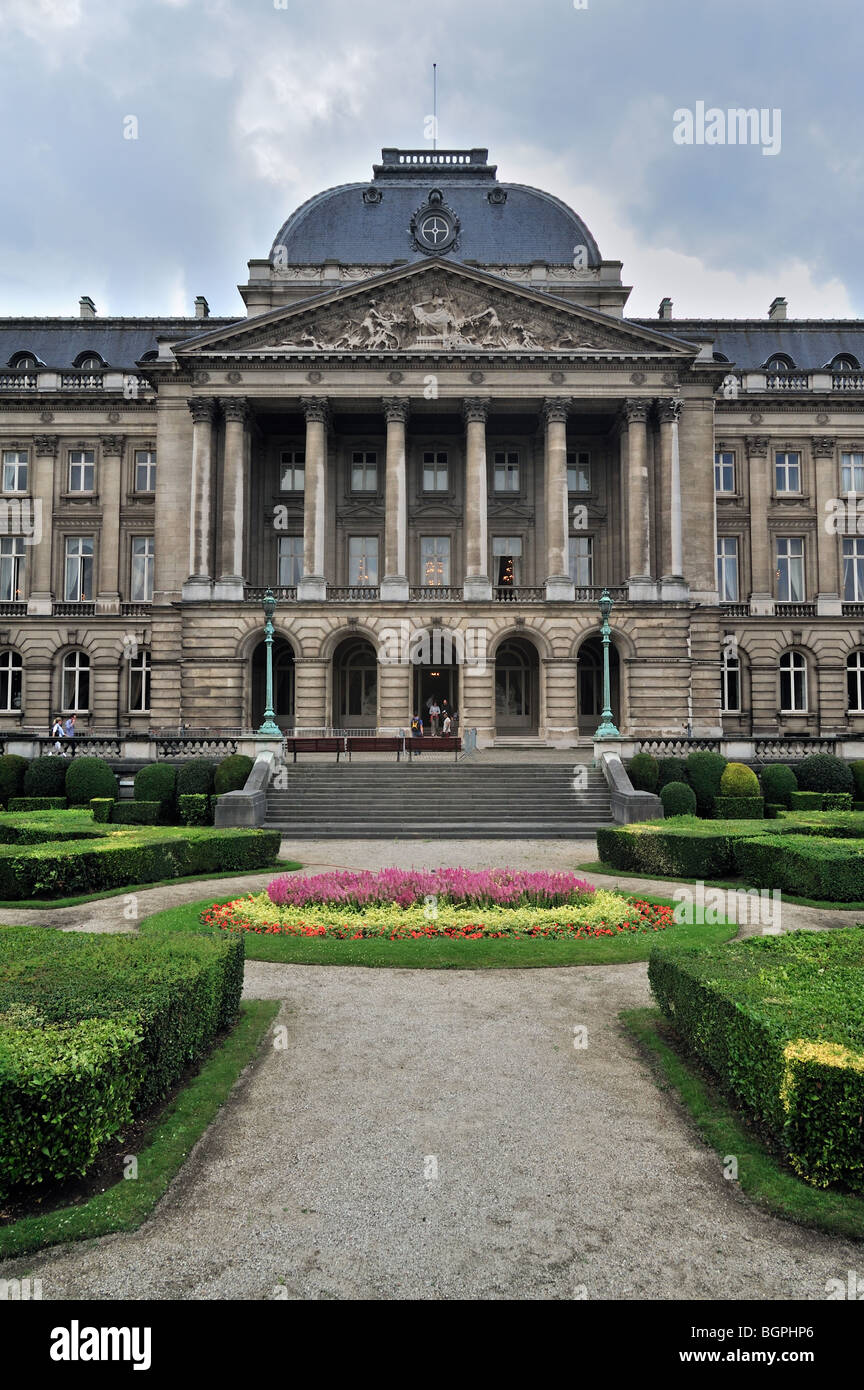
(777, 309)
(665, 310)
(202, 308)
(86, 307)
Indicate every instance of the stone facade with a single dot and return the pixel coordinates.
(437, 465)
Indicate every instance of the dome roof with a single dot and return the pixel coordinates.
(448, 204)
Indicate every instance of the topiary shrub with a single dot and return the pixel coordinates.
(671, 770)
(739, 808)
(644, 772)
(136, 812)
(102, 806)
(857, 770)
(195, 809)
(739, 780)
(195, 778)
(12, 773)
(704, 771)
(778, 783)
(157, 782)
(822, 772)
(678, 799)
(46, 777)
(89, 777)
(231, 773)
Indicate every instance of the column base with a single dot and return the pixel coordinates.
(476, 588)
(829, 606)
(641, 588)
(560, 589)
(674, 589)
(197, 587)
(40, 606)
(312, 586)
(107, 604)
(762, 605)
(395, 588)
(230, 588)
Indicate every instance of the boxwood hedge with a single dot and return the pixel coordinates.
(88, 777)
(37, 803)
(46, 777)
(806, 865)
(12, 771)
(681, 847)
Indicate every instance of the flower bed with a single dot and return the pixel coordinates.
(604, 914)
(353, 890)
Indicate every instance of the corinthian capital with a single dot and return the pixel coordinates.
(757, 445)
(823, 448)
(46, 444)
(670, 410)
(236, 408)
(112, 444)
(556, 409)
(396, 408)
(476, 409)
(202, 408)
(315, 408)
(636, 410)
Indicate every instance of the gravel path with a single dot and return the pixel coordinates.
(436, 1135)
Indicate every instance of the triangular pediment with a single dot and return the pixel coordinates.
(436, 307)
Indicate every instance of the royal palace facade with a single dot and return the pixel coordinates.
(438, 437)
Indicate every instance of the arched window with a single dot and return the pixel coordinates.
(779, 363)
(24, 361)
(845, 362)
(89, 362)
(731, 679)
(855, 682)
(75, 695)
(139, 682)
(793, 683)
(11, 677)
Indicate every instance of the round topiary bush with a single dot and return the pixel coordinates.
(672, 770)
(195, 778)
(157, 782)
(778, 784)
(704, 771)
(857, 770)
(643, 772)
(231, 773)
(46, 777)
(739, 780)
(89, 777)
(678, 799)
(822, 772)
(12, 770)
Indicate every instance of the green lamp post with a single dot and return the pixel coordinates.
(269, 729)
(606, 728)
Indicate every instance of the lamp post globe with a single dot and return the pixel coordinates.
(606, 728)
(269, 729)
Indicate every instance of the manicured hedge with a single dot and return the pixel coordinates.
(195, 777)
(704, 771)
(46, 777)
(102, 806)
(12, 772)
(739, 807)
(780, 1021)
(822, 772)
(739, 780)
(839, 825)
(157, 782)
(99, 1027)
(231, 773)
(678, 799)
(89, 777)
(671, 770)
(806, 865)
(778, 783)
(137, 856)
(820, 801)
(680, 848)
(137, 812)
(37, 803)
(644, 772)
(195, 809)
(46, 827)
(857, 770)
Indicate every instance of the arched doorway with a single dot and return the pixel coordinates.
(355, 684)
(283, 683)
(590, 675)
(517, 687)
(435, 654)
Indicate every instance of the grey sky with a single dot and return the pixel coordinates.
(245, 109)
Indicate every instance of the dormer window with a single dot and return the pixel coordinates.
(845, 362)
(23, 362)
(89, 362)
(780, 363)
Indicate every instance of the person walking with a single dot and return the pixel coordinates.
(58, 733)
(435, 717)
(445, 727)
(69, 728)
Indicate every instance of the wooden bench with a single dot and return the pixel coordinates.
(316, 745)
(357, 743)
(445, 743)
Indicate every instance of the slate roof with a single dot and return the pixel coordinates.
(811, 343)
(120, 342)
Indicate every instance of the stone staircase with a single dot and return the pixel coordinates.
(437, 802)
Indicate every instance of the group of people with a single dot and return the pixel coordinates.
(442, 720)
(62, 729)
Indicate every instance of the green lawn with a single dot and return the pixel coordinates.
(124, 1206)
(439, 953)
(762, 1176)
(597, 866)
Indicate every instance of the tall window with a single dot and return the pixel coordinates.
(435, 470)
(143, 552)
(731, 683)
(855, 683)
(11, 676)
(578, 471)
(727, 568)
(290, 560)
(145, 470)
(787, 472)
(292, 470)
(507, 557)
(793, 683)
(790, 569)
(14, 470)
(724, 471)
(435, 559)
(140, 669)
(11, 567)
(581, 550)
(363, 560)
(853, 569)
(78, 586)
(82, 470)
(364, 470)
(852, 472)
(76, 682)
(506, 470)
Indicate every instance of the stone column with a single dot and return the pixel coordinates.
(313, 585)
(477, 584)
(41, 590)
(673, 584)
(761, 558)
(229, 585)
(199, 583)
(394, 582)
(639, 524)
(558, 582)
(110, 470)
(829, 594)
